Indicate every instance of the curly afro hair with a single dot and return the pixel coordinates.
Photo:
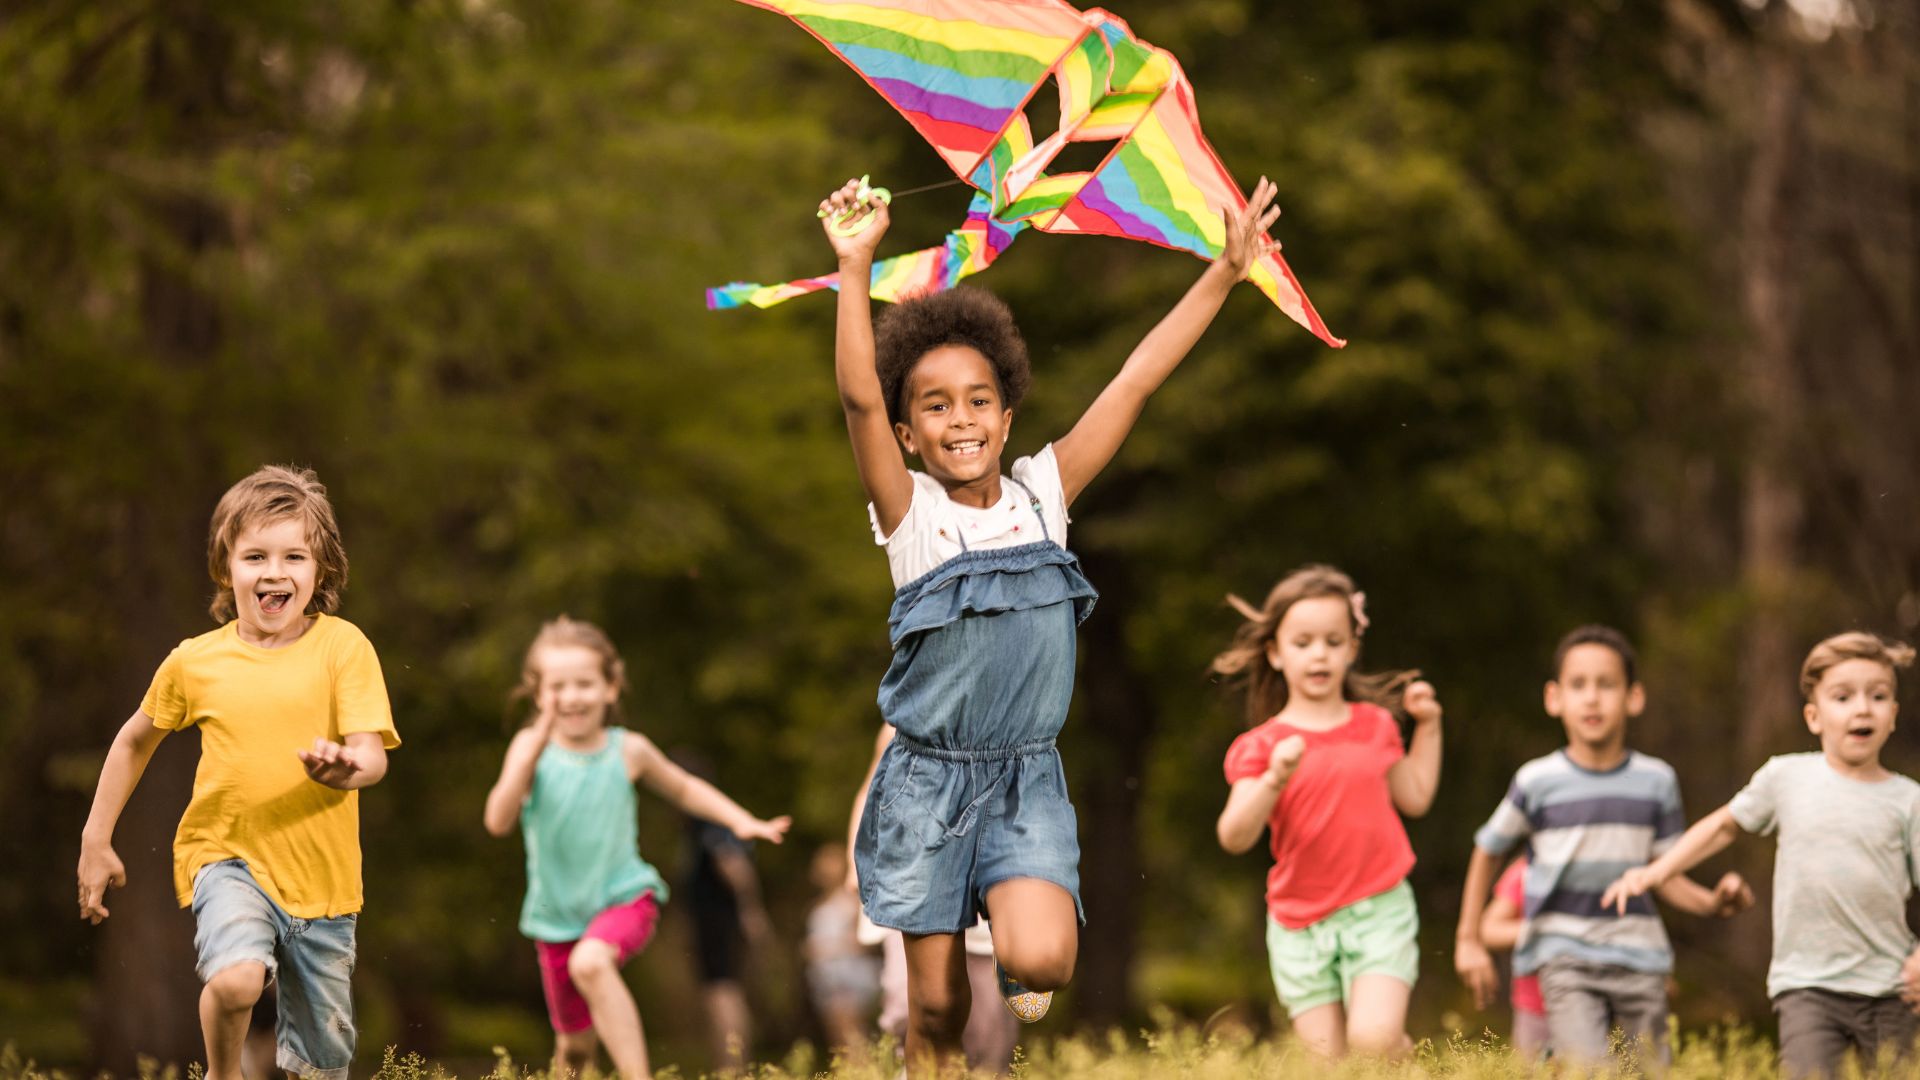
(963, 316)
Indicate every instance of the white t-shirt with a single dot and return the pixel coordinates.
(930, 533)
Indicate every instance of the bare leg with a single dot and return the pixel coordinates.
(226, 1004)
(731, 1022)
(1036, 932)
(573, 1052)
(1324, 1029)
(937, 1000)
(845, 1024)
(595, 970)
(992, 1030)
(1377, 1016)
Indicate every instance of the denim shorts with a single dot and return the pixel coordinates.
(1316, 965)
(943, 826)
(312, 959)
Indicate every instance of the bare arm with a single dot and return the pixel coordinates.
(692, 795)
(133, 746)
(876, 453)
(1500, 924)
(360, 761)
(1415, 778)
(1250, 802)
(1708, 837)
(1470, 957)
(510, 791)
(860, 803)
(1087, 449)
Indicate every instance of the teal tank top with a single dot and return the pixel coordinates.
(583, 841)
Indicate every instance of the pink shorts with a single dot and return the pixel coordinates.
(627, 927)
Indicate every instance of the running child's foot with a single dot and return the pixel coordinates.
(1025, 1004)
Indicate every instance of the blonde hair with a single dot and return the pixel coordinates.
(273, 493)
(566, 632)
(1245, 660)
(1853, 645)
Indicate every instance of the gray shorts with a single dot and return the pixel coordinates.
(1818, 1027)
(1587, 1003)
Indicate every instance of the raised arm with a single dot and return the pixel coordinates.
(1085, 450)
(516, 775)
(692, 795)
(1470, 957)
(1415, 779)
(1708, 837)
(1250, 802)
(133, 746)
(876, 453)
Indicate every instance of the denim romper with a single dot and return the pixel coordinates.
(970, 792)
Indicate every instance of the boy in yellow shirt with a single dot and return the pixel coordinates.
(294, 719)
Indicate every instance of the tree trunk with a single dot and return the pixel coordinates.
(1118, 721)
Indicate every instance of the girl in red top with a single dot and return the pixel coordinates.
(1323, 770)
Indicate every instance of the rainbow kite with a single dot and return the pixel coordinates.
(962, 72)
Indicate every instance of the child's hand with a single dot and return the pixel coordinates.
(1284, 759)
(1634, 882)
(99, 868)
(860, 245)
(1475, 965)
(1422, 703)
(1910, 981)
(330, 763)
(771, 831)
(1246, 230)
(1731, 895)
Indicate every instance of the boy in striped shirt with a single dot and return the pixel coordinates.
(1587, 814)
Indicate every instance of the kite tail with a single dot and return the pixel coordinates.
(967, 250)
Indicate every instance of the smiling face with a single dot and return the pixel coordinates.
(574, 687)
(1853, 712)
(1313, 648)
(954, 418)
(1593, 698)
(273, 572)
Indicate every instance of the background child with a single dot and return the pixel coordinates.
(1586, 812)
(293, 720)
(842, 975)
(1323, 770)
(969, 810)
(1843, 957)
(592, 902)
(730, 923)
(1500, 927)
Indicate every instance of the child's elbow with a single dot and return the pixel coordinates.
(1232, 840)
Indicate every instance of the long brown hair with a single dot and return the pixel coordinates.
(1245, 663)
(562, 632)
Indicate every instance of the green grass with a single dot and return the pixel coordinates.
(1171, 1052)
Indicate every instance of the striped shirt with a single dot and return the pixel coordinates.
(1583, 829)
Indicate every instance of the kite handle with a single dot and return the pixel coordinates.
(854, 220)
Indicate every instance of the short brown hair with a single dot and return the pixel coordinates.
(1853, 645)
(1595, 634)
(274, 492)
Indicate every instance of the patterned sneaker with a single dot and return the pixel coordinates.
(1023, 1003)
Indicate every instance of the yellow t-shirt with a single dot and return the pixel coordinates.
(252, 799)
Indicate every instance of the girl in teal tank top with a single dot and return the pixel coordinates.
(592, 901)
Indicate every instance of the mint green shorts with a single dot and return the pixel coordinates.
(1316, 965)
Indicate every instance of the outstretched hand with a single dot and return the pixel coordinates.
(331, 764)
(1422, 703)
(1247, 227)
(1731, 895)
(1635, 882)
(860, 245)
(771, 831)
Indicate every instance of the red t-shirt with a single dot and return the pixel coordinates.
(1512, 887)
(1335, 836)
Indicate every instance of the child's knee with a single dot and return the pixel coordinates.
(1380, 1039)
(592, 961)
(238, 986)
(940, 1013)
(1044, 964)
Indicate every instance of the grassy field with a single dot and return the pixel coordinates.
(1172, 1052)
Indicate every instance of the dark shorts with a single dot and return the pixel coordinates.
(1818, 1027)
